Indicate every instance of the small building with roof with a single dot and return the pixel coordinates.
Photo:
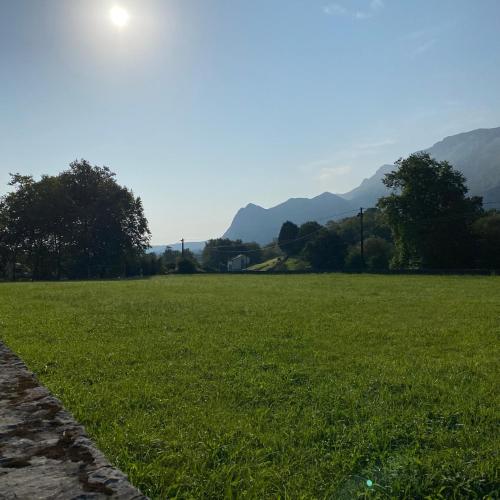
(238, 263)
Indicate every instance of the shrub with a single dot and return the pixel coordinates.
(185, 266)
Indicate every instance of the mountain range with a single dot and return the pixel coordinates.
(476, 154)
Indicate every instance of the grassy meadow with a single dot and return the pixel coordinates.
(311, 386)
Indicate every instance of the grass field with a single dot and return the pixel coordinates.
(279, 264)
(276, 386)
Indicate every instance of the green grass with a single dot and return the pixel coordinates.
(268, 265)
(280, 264)
(276, 386)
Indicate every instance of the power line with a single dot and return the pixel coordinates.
(327, 218)
(230, 249)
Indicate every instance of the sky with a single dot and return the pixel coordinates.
(203, 106)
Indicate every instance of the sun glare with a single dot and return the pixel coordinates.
(119, 16)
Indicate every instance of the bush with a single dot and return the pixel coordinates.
(185, 266)
(378, 253)
(353, 260)
(486, 230)
(326, 252)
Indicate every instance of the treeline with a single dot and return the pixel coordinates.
(214, 257)
(427, 222)
(78, 224)
(82, 224)
(337, 245)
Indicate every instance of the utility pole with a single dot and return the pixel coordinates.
(182, 241)
(362, 237)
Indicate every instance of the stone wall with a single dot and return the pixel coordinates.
(44, 452)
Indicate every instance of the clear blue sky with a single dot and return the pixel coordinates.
(202, 106)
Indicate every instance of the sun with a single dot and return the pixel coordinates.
(119, 16)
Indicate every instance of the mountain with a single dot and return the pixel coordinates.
(476, 154)
(254, 223)
(370, 190)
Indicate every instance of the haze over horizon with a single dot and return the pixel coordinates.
(201, 107)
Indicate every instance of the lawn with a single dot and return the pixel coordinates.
(311, 386)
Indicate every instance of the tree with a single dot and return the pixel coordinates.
(107, 221)
(307, 231)
(373, 222)
(80, 222)
(287, 239)
(353, 260)
(17, 216)
(487, 233)
(170, 257)
(185, 265)
(326, 251)
(429, 213)
(377, 255)
(151, 264)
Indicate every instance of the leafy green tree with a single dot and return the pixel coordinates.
(353, 260)
(377, 255)
(429, 213)
(18, 232)
(52, 225)
(307, 232)
(80, 221)
(107, 220)
(287, 239)
(486, 230)
(170, 257)
(374, 224)
(185, 265)
(326, 251)
(151, 264)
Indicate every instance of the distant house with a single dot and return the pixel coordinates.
(238, 263)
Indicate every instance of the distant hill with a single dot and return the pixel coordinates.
(476, 154)
(254, 223)
(195, 246)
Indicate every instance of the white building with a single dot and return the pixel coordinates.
(238, 263)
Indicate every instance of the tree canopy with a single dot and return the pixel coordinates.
(486, 230)
(327, 251)
(82, 224)
(287, 238)
(429, 213)
(78, 224)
